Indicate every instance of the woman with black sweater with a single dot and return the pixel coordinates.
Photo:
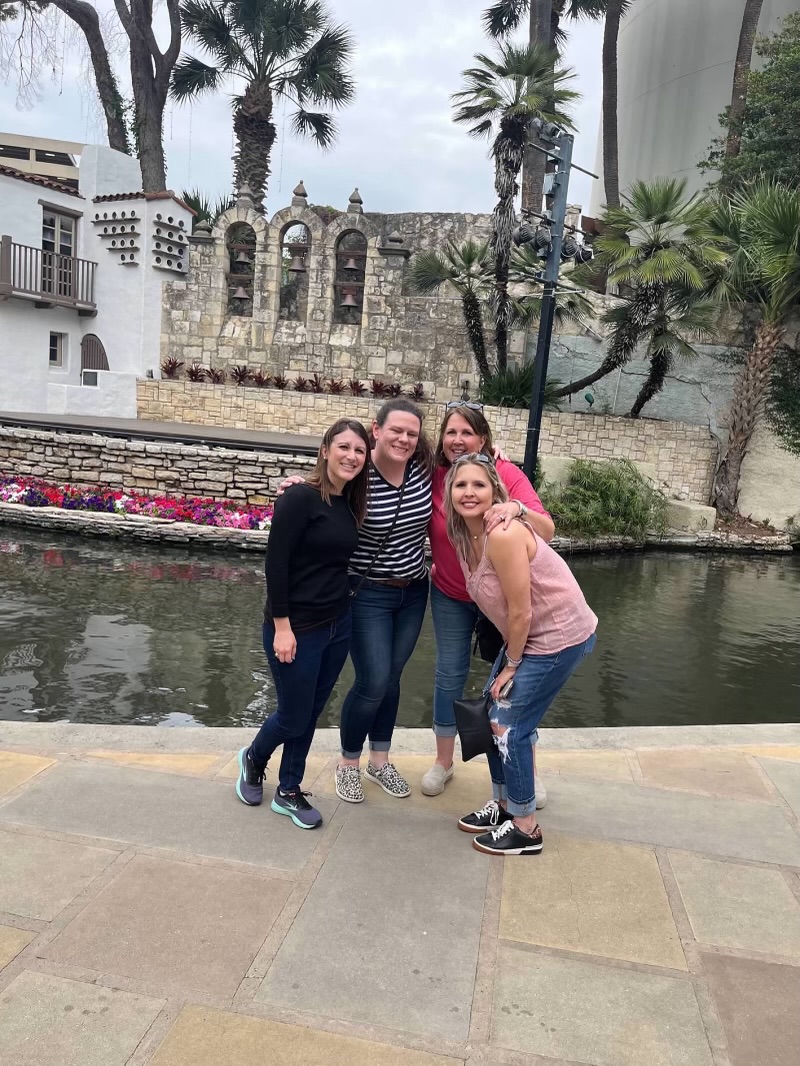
(313, 534)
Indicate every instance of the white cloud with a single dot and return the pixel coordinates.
(396, 143)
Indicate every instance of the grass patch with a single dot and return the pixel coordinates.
(605, 499)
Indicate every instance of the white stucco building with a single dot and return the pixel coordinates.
(81, 274)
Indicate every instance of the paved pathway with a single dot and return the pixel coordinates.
(148, 917)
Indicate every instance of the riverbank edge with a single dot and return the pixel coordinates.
(168, 532)
(68, 737)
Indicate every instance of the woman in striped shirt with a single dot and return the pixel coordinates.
(389, 580)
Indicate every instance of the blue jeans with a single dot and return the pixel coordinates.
(453, 624)
(303, 688)
(537, 682)
(386, 624)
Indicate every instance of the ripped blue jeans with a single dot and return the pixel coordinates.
(515, 721)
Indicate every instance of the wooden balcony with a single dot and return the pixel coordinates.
(47, 279)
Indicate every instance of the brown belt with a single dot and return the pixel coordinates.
(392, 582)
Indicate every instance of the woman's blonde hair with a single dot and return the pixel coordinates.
(457, 532)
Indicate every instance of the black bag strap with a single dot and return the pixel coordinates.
(389, 531)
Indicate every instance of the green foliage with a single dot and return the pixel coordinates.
(513, 388)
(207, 210)
(783, 399)
(771, 125)
(605, 499)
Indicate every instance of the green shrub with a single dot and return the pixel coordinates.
(513, 388)
(605, 499)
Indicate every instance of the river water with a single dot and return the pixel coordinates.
(96, 631)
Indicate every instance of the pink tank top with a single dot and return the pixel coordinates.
(561, 616)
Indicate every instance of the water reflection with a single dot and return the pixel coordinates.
(92, 631)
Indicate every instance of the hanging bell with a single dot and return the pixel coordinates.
(351, 264)
(241, 293)
(243, 257)
(297, 266)
(348, 300)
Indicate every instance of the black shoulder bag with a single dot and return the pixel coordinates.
(354, 592)
(488, 639)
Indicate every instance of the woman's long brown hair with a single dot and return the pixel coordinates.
(355, 491)
(478, 423)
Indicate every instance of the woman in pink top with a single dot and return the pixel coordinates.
(464, 430)
(530, 594)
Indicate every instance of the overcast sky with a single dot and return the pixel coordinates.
(397, 142)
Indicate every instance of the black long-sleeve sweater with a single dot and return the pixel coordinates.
(309, 548)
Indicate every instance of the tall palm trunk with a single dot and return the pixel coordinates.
(540, 32)
(255, 136)
(473, 319)
(610, 84)
(741, 71)
(509, 152)
(748, 397)
(660, 364)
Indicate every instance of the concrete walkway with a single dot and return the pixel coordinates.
(148, 917)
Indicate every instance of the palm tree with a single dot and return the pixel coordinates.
(466, 268)
(762, 225)
(663, 249)
(286, 49)
(741, 72)
(500, 99)
(571, 306)
(205, 209)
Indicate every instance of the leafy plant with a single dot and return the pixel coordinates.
(261, 380)
(216, 375)
(394, 388)
(356, 387)
(513, 388)
(196, 372)
(317, 383)
(206, 209)
(783, 399)
(378, 388)
(417, 392)
(241, 374)
(280, 381)
(606, 498)
(336, 386)
(170, 367)
(300, 384)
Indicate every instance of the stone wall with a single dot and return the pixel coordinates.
(682, 455)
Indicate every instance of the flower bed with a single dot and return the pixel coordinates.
(225, 514)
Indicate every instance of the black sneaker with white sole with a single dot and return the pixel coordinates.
(507, 839)
(488, 817)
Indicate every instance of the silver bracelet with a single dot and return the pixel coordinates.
(513, 662)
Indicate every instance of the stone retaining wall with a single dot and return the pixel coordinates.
(682, 455)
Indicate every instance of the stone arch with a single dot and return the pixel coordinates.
(240, 246)
(296, 244)
(350, 255)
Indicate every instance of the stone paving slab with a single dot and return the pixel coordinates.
(389, 933)
(174, 924)
(171, 763)
(185, 814)
(713, 773)
(595, 1014)
(610, 765)
(786, 777)
(216, 1038)
(758, 1006)
(50, 1021)
(40, 877)
(594, 897)
(671, 819)
(775, 751)
(736, 906)
(12, 941)
(16, 767)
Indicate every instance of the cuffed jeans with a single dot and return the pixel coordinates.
(386, 624)
(453, 625)
(303, 688)
(537, 682)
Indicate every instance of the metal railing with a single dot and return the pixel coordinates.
(48, 276)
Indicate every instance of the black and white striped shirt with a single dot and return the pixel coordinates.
(403, 554)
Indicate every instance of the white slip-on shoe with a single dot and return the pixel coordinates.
(540, 791)
(436, 778)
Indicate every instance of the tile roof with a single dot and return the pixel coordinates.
(114, 197)
(38, 179)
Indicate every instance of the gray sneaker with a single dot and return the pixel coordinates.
(294, 804)
(250, 783)
(389, 779)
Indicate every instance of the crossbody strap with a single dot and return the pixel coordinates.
(389, 531)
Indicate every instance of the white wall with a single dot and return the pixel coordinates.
(770, 483)
(114, 396)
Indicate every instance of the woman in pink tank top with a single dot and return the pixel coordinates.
(531, 595)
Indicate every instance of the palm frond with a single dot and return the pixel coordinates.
(504, 17)
(318, 125)
(191, 77)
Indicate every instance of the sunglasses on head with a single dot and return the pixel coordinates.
(475, 457)
(453, 404)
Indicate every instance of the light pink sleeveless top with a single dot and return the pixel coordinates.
(560, 616)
